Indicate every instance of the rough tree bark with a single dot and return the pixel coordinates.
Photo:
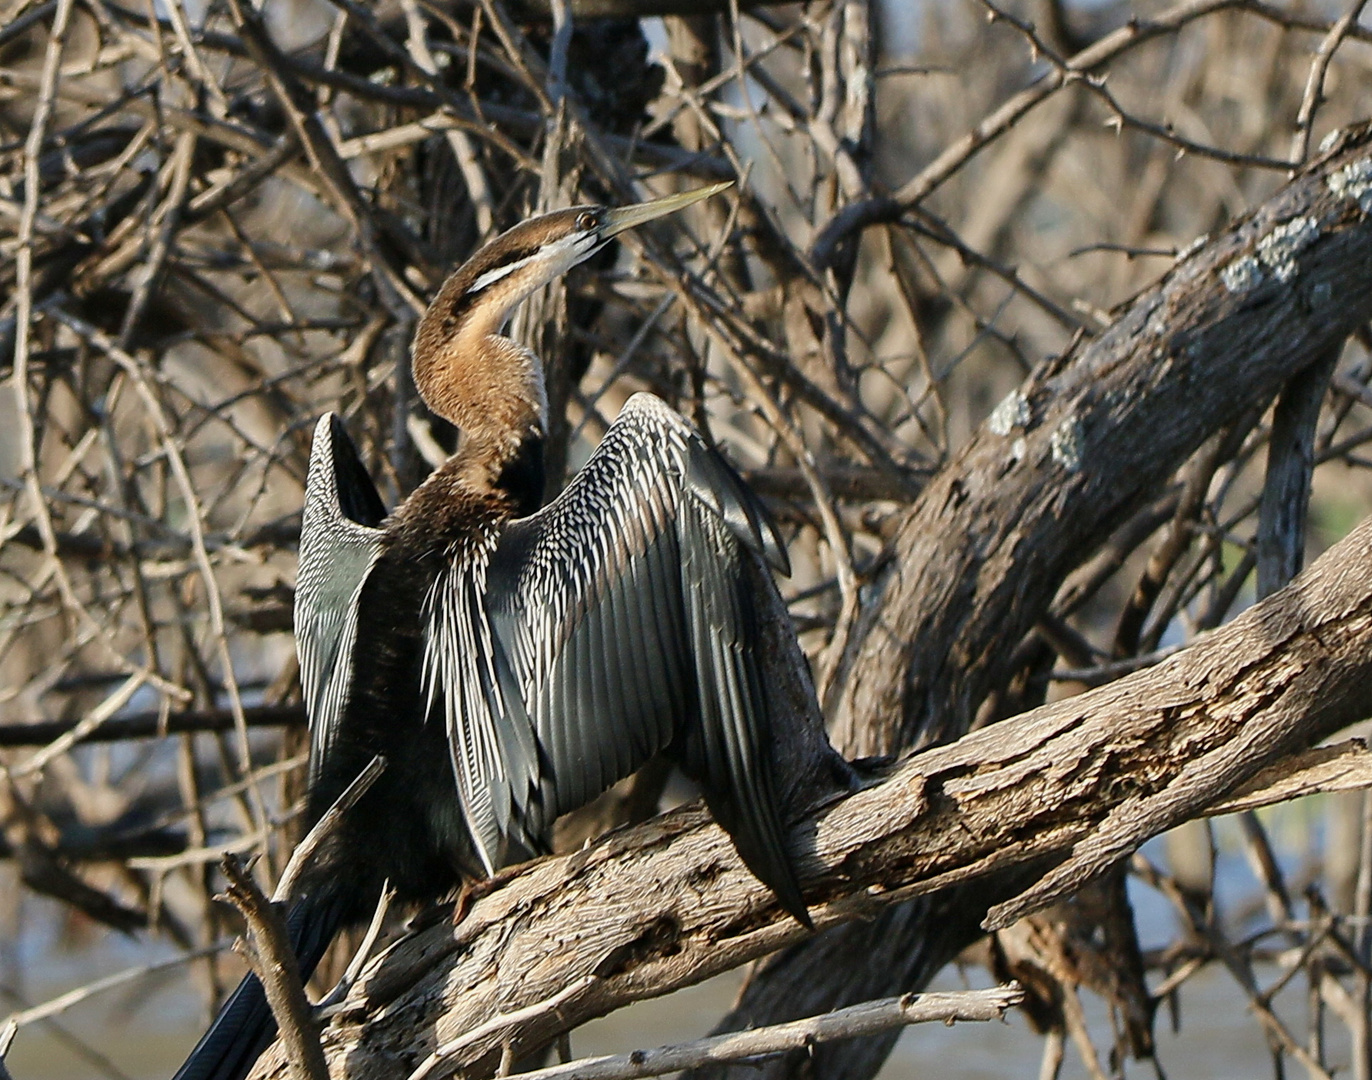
(1088, 439)
(1066, 789)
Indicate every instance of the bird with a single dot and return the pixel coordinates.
(510, 661)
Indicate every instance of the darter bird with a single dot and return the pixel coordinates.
(511, 663)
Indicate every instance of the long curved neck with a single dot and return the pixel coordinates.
(492, 389)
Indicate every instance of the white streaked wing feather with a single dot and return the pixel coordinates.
(336, 554)
(494, 759)
(589, 605)
(626, 606)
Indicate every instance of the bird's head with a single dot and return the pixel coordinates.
(462, 367)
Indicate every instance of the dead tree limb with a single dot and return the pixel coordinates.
(847, 1023)
(1093, 434)
(1072, 786)
(268, 949)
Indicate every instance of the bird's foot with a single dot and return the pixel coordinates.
(463, 904)
(474, 890)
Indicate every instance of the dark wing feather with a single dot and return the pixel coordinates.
(339, 543)
(727, 750)
(623, 612)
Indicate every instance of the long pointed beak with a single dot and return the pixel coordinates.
(626, 217)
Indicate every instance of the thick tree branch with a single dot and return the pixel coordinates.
(1074, 785)
(1090, 437)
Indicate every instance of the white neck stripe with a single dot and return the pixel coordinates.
(490, 277)
(573, 248)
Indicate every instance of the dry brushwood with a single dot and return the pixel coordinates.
(220, 221)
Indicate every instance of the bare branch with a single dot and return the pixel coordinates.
(274, 963)
(852, 1022)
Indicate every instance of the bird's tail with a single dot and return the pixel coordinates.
(245, 1026)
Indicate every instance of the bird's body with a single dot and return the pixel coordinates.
(510, 663)
(548, 655)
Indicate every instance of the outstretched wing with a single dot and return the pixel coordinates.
(339, 542)
(622, 614)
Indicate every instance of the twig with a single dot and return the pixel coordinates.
(934, 175)
(926, 224)
(1074, 1019)
(7, 1032)
(1096, 674)
(459, 141)
(273, 961)
(1121, 117)
(1314, 83)
(299, 108)
(88, 724)
(62, 1002)
(147, 725)
(175, 456)
(24, 311)
(869, 1018)
(1173, 545)
(327, 822)
(326, 1005)
(436, 1064)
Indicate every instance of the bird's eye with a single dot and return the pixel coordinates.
(587, 220)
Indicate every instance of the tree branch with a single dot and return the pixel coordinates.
(866, 1019)
(1074, 785)
(152, 724)
(1090, 437)
(268, 951)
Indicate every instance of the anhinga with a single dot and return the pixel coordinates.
(511, 663)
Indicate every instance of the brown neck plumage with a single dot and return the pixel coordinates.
(489, 386)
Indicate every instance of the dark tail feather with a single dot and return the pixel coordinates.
(759, 839)
(245, 1026)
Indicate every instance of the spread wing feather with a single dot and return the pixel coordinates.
(563, 650)
(622, 612)
(339, 542)
(468, 681)
(726, 751)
